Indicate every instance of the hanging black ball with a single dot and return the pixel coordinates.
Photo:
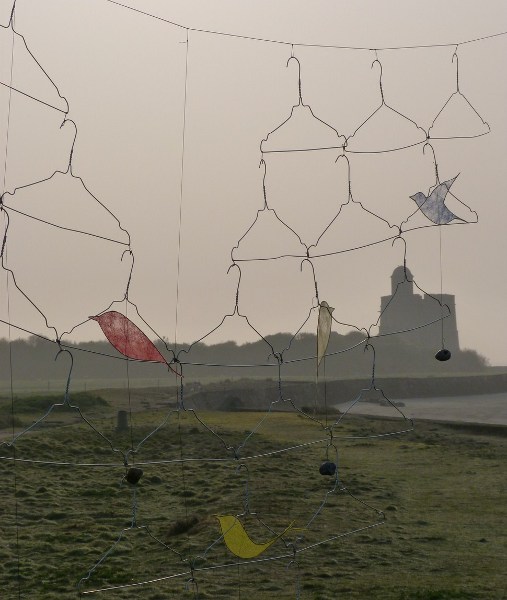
(443, 355)
(133, 475)
(327, 468)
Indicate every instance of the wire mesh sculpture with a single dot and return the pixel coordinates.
(231, 529)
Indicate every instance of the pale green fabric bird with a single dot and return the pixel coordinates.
(323, 330)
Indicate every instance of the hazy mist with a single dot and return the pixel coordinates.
(123, 76)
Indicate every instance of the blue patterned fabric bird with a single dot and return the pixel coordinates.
(433, 206)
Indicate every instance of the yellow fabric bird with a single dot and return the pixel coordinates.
(237, 539)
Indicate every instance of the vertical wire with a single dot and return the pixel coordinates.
(182, 177)
(316, 374)
(178, 265)
(325, 391)
(441, 290)
(8, 112)
(129, 392)
(16, 518)
(181, 453)
(6, 154)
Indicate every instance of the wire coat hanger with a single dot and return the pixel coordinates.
(355, 146)
(325, 136)
(457, 98)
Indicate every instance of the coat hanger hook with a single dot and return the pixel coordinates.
(437, 178)
(307, 260)
(67, 386)
(299, 75)
(192, 583)
(263, 164)
(236, 307)
(402, 239)
(11, 19)
(246, 500)
(369, 346)
(380, 76)
(7, 223)
(131, 254)
(344, 156)
(455, 56)
(294, 563)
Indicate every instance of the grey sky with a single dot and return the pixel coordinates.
(123, 76)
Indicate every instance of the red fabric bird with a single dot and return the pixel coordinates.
(128, 339)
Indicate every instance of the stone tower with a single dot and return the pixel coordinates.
(407, 309)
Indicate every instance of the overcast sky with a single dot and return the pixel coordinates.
(123, 75)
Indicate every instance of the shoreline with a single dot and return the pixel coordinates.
(488, 409)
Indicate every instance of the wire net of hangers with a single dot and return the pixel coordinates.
(172, 498)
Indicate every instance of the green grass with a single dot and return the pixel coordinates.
(36, 403)
(442, 490)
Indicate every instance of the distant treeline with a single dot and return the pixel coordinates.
(34, 359)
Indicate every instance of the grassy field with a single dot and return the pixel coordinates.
(441, 489)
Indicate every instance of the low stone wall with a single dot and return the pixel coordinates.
(258, 395)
